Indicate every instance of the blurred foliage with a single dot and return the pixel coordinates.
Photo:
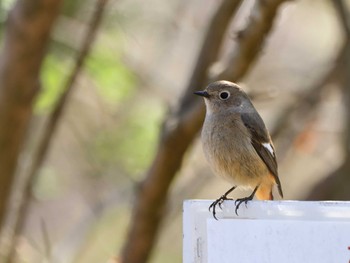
(70, 8)
(130, 144)
(114, 80)
(53, 74)
(128, 148)
(6, 4)
(100, 245)
(49, 184)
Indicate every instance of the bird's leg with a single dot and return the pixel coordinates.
(245, 200)
(220, 200)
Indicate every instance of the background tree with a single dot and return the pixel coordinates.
(26, 38)
(105, 151)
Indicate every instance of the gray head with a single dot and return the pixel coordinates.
(224, 95)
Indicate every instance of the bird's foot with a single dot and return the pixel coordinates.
(219, 202)
(244, 200)
(239, 201)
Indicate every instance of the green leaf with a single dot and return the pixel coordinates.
(114, 80)
(53, 75)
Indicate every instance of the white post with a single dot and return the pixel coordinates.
(267, 232)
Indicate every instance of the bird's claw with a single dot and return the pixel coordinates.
(219, 202)
(239, 201)
(245, 200)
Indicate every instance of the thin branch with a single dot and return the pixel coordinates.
(180, 128)
(291, 120)
(54, 118)
(335, 185)
(46, 240)
(210, 49)
(343, 13)
(250, 41)
(305, 107)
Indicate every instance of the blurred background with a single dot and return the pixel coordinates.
(102, 151)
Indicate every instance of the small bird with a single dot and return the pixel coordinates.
(237, 144)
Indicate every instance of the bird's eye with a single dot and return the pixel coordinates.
(224, 95)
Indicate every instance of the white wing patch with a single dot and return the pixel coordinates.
(268, 146)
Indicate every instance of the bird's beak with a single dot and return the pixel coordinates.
(202, 93)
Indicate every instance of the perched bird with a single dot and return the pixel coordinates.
(237, 144)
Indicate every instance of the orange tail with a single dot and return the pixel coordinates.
(264, 192)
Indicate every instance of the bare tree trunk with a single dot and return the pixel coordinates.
(53, 121)
(26, 38)
(181, 125)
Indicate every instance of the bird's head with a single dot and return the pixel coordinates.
(222, 96)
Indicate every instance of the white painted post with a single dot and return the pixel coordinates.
(267, 232)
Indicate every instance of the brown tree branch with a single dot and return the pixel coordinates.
(210, 49)
(250, 41)
(181, 126)
(26, 38)
(336, 185)
(53, 121)
(343, 14)
(291, 121)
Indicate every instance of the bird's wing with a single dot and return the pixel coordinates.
(262, 144)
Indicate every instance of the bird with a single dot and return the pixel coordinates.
(237, 144)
